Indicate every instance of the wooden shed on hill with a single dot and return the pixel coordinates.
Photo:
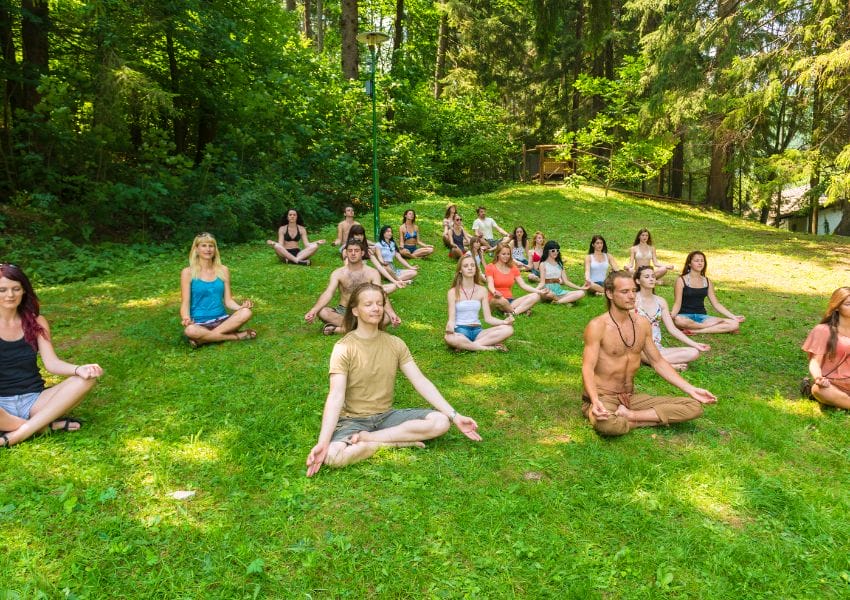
(542, 164)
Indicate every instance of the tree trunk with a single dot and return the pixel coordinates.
(308, 20)
(719, 178)
(348, 29)
(843, 227)
(398, 33)
(677, 169)
(320, 25)
(814, 180)
(11, 99)
(290, 5)
(442, 47)
(34, 26)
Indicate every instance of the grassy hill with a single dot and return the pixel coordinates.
(749, 501)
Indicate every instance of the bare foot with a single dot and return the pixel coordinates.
(271, 242)
(363, 438)
(622, 411)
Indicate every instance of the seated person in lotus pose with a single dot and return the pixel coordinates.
(689, 294)
(483, 227)
(344, 225)
(502, 275)
(448, 221)
(385, 252)
(289, 234)
(359, 417)
(345, 279)
(26, 406)
(459, 238)
(597, 264)
(654, 309)
(613, 344)
(476, 251)
(536, 255)
(828, 347)
(412, 244)
(466, 298)
(357, 234)
(553, 275)
(519, 248)
(642, 253)
(205, 298)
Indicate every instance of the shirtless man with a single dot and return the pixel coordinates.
(613, 343)
(344, 225)
(346, 278)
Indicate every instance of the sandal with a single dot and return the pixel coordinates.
(329, 329)
(193, 343)
(248, 334)
(68, 421)
(6, 443)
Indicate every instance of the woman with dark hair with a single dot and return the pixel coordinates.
(385, 252)
(519, 247)
(26, 406)
(643, 253)
(502, 276)
(205, 298)
(459, 238)
(553, 276)
(359, 417)
(597, 264)
(448, 221)
(289, 234)
(828, 347)
(412, 244)
(689, 293)
(466, 298)
(654, 309)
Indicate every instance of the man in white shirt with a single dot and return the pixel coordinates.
(484, 226)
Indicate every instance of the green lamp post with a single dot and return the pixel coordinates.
(373, 39)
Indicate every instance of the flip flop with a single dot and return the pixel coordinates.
(501, 347)
(193, 343)
(68, 421)
(329, 329)
(248, 334)
(6, 443)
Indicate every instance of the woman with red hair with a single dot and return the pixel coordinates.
(26, 406)
(828, 347)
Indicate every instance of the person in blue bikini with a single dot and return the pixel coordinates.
(26, 406)
(205, 298)
(689, 293)
(412, 245)
(466, 299)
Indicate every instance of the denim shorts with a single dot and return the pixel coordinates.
(20, 405)
(469, 331)
(213, 323)
(696, 318)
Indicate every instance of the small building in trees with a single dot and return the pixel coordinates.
(795, 211)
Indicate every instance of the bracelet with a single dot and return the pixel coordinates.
(452, 416)
(75, 370)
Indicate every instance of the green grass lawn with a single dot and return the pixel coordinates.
(749, 501)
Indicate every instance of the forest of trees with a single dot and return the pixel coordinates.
(154, 119)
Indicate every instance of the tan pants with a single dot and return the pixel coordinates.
(669, 410)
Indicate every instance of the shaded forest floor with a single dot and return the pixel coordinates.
(749, 501)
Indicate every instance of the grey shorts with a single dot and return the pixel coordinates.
(339, 309)
(19, 405)
(346, 427)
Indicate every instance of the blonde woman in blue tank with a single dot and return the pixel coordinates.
(205, 298)
(466, 299)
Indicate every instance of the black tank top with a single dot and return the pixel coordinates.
(18, 369)
(458, 239)
(693, 299)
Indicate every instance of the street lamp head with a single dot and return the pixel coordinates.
(372, 38)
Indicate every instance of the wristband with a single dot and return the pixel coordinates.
(75, 370)
(452, 416)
